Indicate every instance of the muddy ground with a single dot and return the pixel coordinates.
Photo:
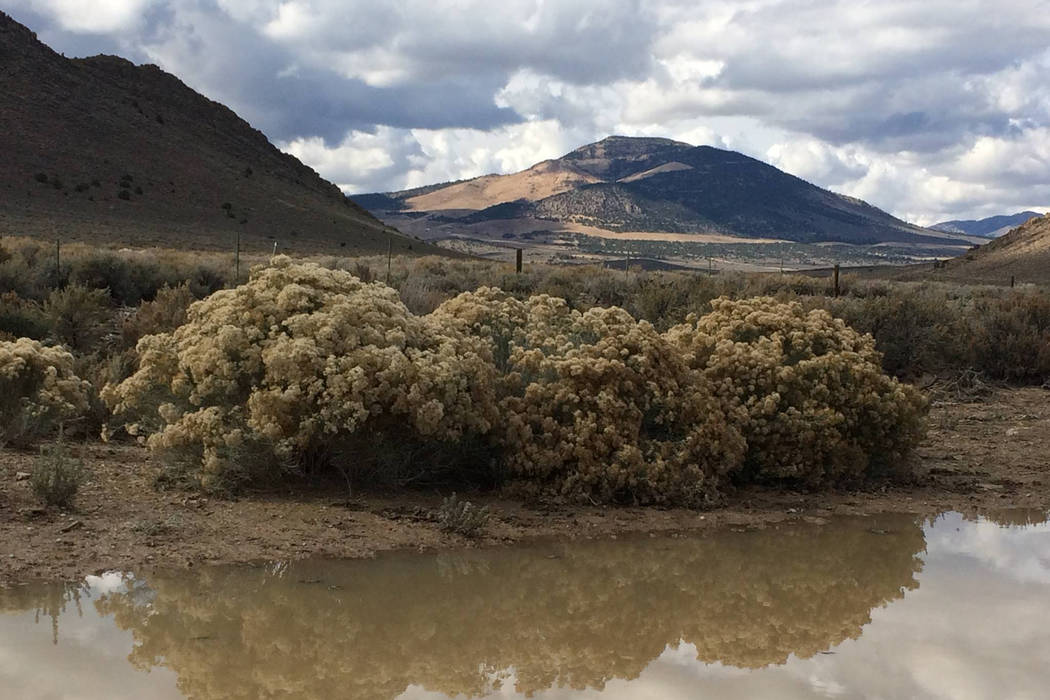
(986, 454)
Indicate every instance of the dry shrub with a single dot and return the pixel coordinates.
(820, 409)
(306, 366)
(57, 475)
(916, 330)
(38, 391)
(164, 314)
(597, 406)
(1011, 338)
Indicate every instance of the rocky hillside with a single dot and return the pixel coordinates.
(104, 151)
(648, 184)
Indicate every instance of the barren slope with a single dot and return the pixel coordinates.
(104, 151)
(1023, 253)
(538, 182)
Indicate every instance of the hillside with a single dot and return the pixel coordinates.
(1023, 253)
(991, 227)
(658, 185)
(103, 151)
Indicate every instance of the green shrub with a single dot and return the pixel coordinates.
(57, 476)
(77, 315)
(164, 314)
(22, 318)
(1011, 338)
(918, 332)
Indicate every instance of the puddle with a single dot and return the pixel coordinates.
(882, 607)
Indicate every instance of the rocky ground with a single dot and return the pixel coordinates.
(985, 453)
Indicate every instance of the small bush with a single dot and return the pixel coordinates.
(57, 476)
(164, 314)
(77, 315)
(22, 318)
(462, 517)
(38, 391)
(125, 195)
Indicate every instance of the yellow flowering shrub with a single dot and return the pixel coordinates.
(819, 406)
(38, 391)
(597, 406)
(308, 365)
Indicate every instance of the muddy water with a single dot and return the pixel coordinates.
(888, 607)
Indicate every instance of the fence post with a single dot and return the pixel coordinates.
(389, 252)
(517, 260)
(836, 280)
(1011, 281)
(58, 260)
(237, 260)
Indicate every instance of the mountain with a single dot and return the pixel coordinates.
(623, 184)
(104, 151)
(1023, 253)
(992, 227)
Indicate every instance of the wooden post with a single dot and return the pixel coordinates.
(836, 280)
(517, 260)
(274, 251)
(710, 266)
(237, 260)
(389, 252)
(627, 264)
(1011, 281)
(58, 260)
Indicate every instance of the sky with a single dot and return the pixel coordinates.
(931, 110)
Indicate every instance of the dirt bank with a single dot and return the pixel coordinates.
(986, 455)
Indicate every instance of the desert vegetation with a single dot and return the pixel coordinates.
(309, 369)
(575, 384)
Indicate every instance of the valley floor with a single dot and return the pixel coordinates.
(986, 455)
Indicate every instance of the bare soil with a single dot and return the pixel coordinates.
(986, 455)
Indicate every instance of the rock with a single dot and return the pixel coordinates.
(22, 476)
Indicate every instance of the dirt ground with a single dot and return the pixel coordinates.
(985, 455)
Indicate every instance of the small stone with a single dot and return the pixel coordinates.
(22, 476)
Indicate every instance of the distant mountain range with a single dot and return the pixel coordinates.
(992, 227)
(624, 184)
(104, 151)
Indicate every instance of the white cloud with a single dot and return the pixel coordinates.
(96, 17)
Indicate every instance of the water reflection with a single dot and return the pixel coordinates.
(738, 614)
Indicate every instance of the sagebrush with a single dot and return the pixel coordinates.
(310, 368)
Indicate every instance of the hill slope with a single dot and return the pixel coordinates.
(648, 184)
(991, 227)
(1023, 253)
(104, 151)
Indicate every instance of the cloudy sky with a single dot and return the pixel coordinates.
(931, 110)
